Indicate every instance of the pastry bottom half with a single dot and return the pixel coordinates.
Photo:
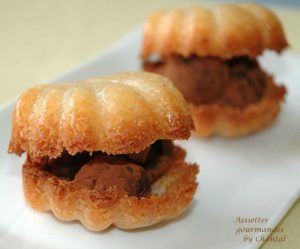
(98, 209)
(229, 121)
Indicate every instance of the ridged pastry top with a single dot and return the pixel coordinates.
(224, 31)
(118, 114)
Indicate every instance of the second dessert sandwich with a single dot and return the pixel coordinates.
(210, 55)
(101, 151)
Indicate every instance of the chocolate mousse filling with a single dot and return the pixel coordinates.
(235, 82)
(134, 173)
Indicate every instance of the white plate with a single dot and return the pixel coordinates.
(253, 176)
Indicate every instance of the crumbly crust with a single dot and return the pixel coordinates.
(119, 114)
(224, 31)
(231, 121)
(97, 210)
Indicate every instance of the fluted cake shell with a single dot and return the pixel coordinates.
(118, 114)
(224, 31)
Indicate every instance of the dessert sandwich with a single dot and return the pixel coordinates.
(210, 54)
(100, 150)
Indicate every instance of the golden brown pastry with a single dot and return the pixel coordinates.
(100, 150)
(210, 55)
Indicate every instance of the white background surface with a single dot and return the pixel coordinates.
(253, 176)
